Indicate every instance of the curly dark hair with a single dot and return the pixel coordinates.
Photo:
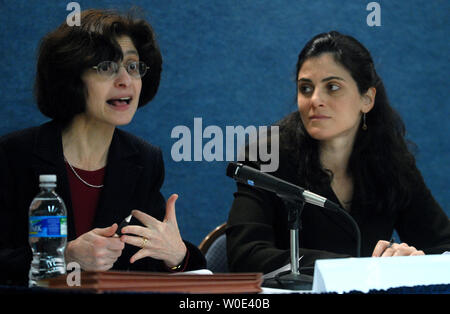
(381, 163)
(66, 52)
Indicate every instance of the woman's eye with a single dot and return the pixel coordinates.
(333, 87)
(104, 67)
(305, 89)
(132, 66)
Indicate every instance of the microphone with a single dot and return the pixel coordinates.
(254, 177)
(284, 189)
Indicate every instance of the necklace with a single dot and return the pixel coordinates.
(81, 179)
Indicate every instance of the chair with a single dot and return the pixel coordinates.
(214, 247)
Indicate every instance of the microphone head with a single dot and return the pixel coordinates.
(231, 169)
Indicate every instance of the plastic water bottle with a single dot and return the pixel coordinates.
(47, 232)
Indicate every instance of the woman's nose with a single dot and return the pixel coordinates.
(317, 99)
(122, 79)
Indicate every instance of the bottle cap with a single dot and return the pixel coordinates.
(47, 178)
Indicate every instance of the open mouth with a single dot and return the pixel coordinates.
(119, 101)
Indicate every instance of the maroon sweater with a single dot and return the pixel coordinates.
(84, 198)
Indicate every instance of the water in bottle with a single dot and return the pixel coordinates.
(47, 232)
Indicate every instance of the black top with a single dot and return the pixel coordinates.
(133, 178)
(258, 231)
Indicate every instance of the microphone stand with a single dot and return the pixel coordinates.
(292, 279)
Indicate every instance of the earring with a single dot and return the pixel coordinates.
(364, 126)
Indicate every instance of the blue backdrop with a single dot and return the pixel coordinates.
(232, 62)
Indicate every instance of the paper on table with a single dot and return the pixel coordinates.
(286, 267)
(276, 271)
(195, 272)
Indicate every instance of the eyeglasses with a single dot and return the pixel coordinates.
(109, 69)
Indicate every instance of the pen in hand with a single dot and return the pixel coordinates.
(391, 242)
(123, 224)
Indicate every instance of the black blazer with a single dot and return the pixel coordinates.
(133, 178)
(258, 233)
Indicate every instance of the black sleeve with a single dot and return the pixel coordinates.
(15, 257)
(423, 224)
(257, 235)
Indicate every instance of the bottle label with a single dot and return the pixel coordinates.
(48, 226)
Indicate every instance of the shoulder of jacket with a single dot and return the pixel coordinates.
(142, 145)
(21, 138)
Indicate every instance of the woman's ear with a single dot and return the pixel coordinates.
(369, 99)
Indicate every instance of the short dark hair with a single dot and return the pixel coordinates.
(66, 52)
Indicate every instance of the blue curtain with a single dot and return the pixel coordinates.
(232, 62)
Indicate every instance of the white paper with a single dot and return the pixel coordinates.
(286, 267)
(195, 272)
(276, 271)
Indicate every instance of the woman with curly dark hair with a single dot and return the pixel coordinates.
(347, 144)
(91, 79)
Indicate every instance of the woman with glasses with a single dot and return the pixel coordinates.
(91, 79)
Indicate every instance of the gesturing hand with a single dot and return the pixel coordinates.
(95, 250)
(160, 240)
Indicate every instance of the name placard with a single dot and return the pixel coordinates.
(380, 273)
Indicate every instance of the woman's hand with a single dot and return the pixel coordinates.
(96, 250)
(160, 240)
(382, 249)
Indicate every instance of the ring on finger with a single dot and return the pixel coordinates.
(144, 242)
